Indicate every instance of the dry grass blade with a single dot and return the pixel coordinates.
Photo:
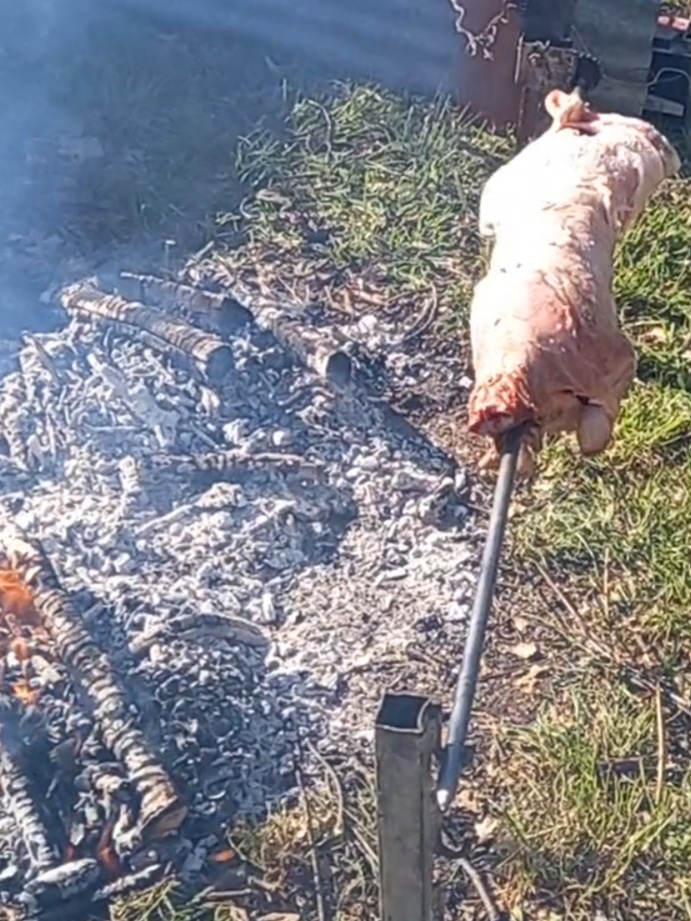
(314, 857)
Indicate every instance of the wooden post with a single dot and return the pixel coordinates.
(407, 735)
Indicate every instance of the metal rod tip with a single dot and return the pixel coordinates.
(443, 800)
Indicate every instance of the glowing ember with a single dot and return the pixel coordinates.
(26, 694)
(105, 852)
(21, 649)
(226, 856)
(16, 600)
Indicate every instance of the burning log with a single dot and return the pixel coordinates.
(214, 311)
(42, 854)
(209, 353)
(160, 808)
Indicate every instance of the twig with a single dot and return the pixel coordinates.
(661, 745)
(493, 912)
(610, 656)
(447, 849)
(359, 838)
(316, 878)
(577, 617)
(335, 782)
(424, 322)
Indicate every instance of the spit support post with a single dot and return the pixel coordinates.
(407, 736)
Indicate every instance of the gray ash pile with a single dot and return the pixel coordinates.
(206, 553)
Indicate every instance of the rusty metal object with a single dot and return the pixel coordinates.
(541, 67)
(490, 31)
(515, 51)
(407, 735)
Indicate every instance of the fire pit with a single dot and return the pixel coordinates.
(198, 537)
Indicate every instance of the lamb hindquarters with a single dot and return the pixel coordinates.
(547, 348)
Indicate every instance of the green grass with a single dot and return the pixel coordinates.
(634, 502)
(587, 815)
(367, 192)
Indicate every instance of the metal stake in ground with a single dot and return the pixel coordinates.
(407, 737)
(482, 605)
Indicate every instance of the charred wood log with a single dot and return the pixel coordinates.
(60, 885)
(131, 882)
(41, 851)
(201, 625)
(208, 352)
(160, 808)
(320, 349)
(76, 890)
(218, 312)
(13, 399)
(224, 464)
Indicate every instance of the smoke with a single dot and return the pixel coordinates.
(119, 123)
(120, 118)
(37, 40)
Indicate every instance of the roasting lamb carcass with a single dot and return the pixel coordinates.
(546, 344)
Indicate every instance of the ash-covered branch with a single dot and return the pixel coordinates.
(320, 349)
(12, 400)
(224, 464)
(208, 352)
(160, 808)
(77, 887)
(213, 311)
(41, 852)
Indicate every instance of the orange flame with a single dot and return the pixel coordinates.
(226, 856)
(20, 647)
(16, 599)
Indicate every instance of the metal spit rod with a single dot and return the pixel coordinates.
(466, 686)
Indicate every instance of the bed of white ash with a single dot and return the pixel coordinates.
(246, 606)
